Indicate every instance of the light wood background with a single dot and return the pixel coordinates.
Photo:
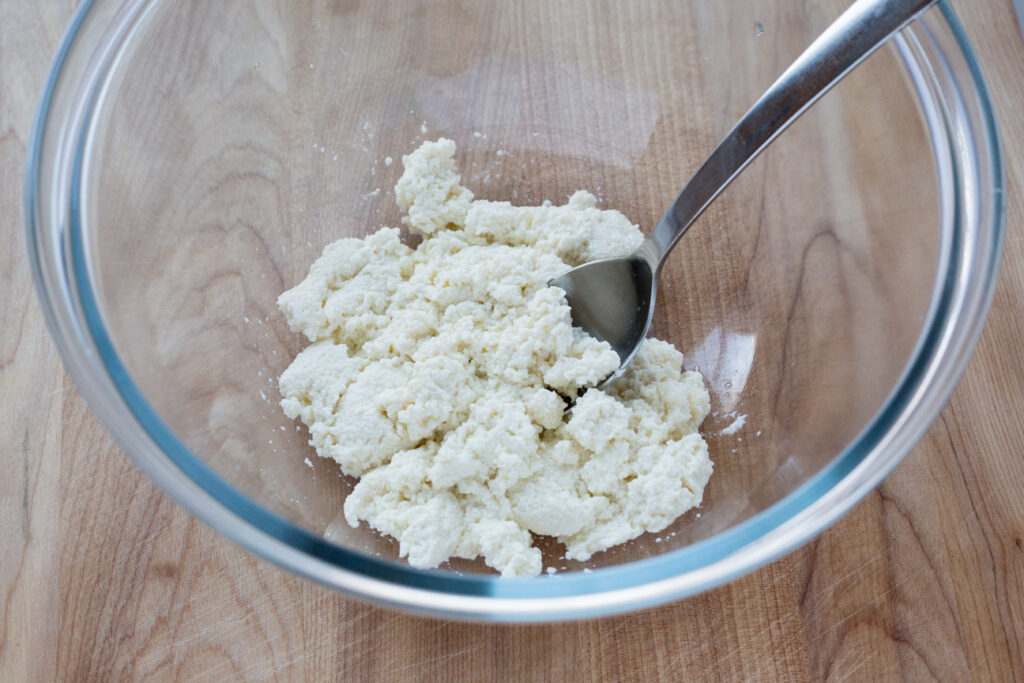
(102, 577)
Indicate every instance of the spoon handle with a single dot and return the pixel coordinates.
(858, 32)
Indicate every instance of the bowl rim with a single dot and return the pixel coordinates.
(971, 249)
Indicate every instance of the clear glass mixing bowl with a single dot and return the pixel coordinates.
(191, 159)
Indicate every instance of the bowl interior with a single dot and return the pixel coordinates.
(234, 140)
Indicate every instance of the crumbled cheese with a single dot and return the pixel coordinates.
(734, 426)
(437, 376)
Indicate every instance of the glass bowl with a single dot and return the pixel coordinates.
(191, 159)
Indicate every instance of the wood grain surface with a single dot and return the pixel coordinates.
(102, 577)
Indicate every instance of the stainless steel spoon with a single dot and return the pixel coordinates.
(613, 299)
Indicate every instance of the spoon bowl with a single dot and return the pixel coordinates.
(613, 300)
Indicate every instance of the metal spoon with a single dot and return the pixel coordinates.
(613, 299)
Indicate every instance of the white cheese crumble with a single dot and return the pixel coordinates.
(437, 376)
(735, 426)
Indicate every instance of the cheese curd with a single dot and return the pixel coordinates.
(437, 375)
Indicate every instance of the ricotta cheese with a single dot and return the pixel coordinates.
(438, 376)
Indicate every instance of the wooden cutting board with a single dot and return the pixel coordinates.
(102, 577)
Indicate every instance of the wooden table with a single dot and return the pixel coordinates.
(102, 577)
